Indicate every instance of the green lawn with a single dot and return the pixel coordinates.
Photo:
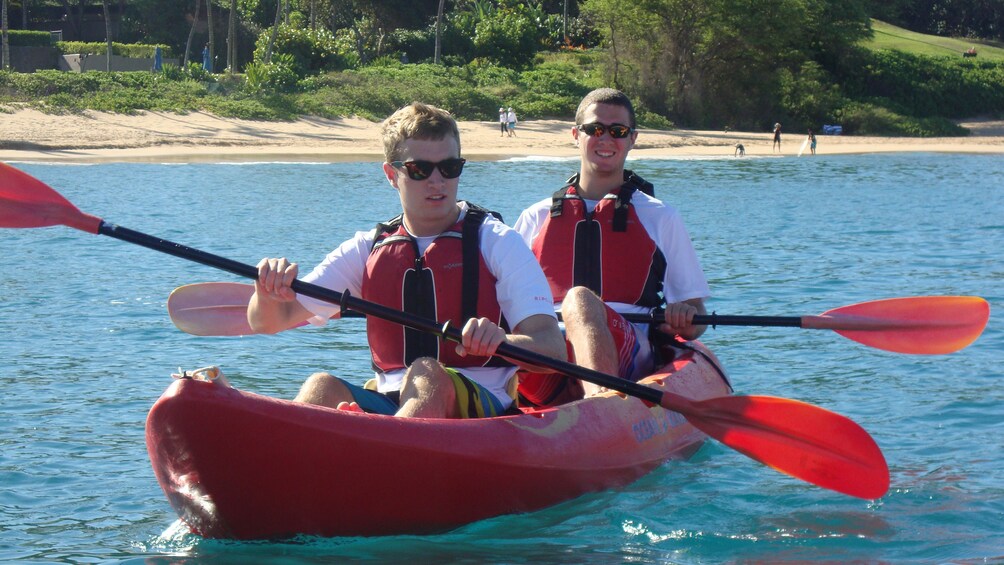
(888, 36)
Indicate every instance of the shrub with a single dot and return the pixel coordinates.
(507, 38)
(927, 86)
(27, 38)
(275, 77)
(871, 119)
(121, 49)
(309, 51)
(648, 119)
(810, 96)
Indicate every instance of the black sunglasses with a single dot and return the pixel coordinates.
(617, 131)
(421, 170)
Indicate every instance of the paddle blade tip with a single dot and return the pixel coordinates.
(798, 439)
(917, 325)
(26, 202)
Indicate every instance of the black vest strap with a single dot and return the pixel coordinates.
(632, 182)
(471, 249)
(622, 206)
(559, 195)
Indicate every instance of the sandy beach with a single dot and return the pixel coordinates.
(29, 135)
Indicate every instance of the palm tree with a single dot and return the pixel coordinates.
(212, 43)
(564, 23)
(108, 36)
(232, 38)
(191, 34)
(439, 32)
(6, 42)
(275, 31)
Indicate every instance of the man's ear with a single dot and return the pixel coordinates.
(391, 173)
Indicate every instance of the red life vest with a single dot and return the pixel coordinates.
(443, 284)
(607, 251)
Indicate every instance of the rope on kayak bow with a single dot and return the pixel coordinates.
(208, 374)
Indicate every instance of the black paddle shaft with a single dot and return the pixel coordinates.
(349, 302)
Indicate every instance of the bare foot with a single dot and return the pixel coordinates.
(349, 407)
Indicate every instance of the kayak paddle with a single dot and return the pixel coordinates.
(922, 324)
(800, 439)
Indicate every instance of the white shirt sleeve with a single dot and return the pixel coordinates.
(342, 270)
(521, 287)
(532, 219)
(684, 278)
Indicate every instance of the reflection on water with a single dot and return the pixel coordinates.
(88, 348)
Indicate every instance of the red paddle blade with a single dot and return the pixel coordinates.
(929, 325)
(26, 202)
(795, 438)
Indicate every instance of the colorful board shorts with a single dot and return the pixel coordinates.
(474, 400)
(634, 357)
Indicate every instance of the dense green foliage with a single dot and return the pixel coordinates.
(22, 38)
(121, 49)
(740, 64)
(310, 51)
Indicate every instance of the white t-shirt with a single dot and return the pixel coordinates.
(521, 288)
(684, 279)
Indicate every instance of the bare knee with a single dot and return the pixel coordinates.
(323, 389)
(581, 308)
(427, 391)
(425, 374)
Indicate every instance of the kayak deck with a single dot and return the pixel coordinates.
(239, 465)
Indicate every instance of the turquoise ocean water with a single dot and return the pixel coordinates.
(87, 347)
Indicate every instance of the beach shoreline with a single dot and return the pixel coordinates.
(99, 137)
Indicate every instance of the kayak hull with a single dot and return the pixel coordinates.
(244, 466)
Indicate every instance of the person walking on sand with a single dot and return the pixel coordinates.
(503, 122)
(777, 137)
(812, 141)
(511, 118)
(420, 261)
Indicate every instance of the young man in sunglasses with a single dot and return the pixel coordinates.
(607, 247)
(441, 259)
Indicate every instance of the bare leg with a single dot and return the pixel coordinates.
(323, 389)
(586, 329)
(427, 391)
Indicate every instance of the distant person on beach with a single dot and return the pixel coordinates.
(419, 261)
(812, 141)
(740, 150)
(777, 137)
(511, 119)
(503, 122)
(608, 246)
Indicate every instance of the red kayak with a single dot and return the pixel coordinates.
(239, 465)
